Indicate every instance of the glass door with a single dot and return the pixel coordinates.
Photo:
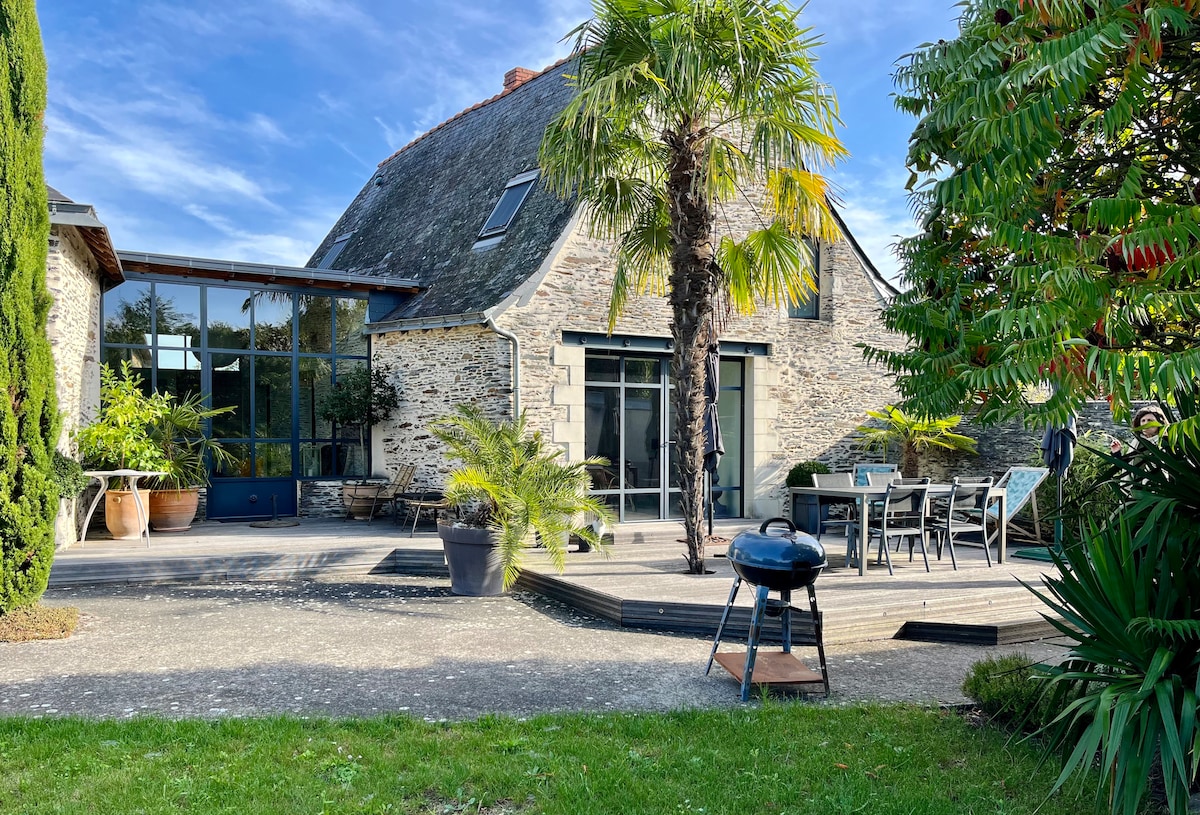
(627, 420)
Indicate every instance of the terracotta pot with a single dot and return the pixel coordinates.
(473, 560)
(173, 510)
(360, 499)
(121, 515)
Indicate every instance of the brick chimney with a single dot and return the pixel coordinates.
(517, 77)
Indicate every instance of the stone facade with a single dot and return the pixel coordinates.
(803, 400)
(435, 370)
(73, 328)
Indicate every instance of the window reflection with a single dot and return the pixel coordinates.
(351, 316)
(316, 325)
(127, 314)
(177, 315)
(273, 321)
(229, 317)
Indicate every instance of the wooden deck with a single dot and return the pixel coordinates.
(643, 584)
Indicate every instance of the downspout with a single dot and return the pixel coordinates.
(516, 365)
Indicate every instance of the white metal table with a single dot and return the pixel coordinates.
(131, 478)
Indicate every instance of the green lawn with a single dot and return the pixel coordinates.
(781, 758)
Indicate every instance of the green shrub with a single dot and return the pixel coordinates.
(68, 476)
(28, 411)
(801, 475)
(1008, 690)
(1126, 589)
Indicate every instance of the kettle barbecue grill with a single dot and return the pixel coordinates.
(773, 559)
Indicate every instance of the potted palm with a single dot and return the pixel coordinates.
(912, 435)
(512, 490)
(179, 433)
(120, 439)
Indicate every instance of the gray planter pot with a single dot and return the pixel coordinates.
(473, 560)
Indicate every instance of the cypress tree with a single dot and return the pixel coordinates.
(28, 409)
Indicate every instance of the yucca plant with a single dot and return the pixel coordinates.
(509, 481)
(912, 436)
(1129, 597)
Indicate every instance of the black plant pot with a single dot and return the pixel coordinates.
(473, 560)
(808, 512)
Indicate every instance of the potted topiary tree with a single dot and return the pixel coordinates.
(807, 511)
(187, 452)
(361, 398)
(512, 490)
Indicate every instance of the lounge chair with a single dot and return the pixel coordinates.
(861, 470)
(1021, 484)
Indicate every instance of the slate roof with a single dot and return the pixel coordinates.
(418, 216)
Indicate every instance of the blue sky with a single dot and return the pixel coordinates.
(241, 129)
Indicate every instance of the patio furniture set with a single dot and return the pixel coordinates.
(884, 507)
(396, 494)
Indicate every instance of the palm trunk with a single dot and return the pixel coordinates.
(692, 285)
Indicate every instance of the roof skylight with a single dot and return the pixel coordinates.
(510, 202)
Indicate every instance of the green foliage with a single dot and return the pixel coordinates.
(801, 475)
(1055, 176)
(681, 108)
(121, 436)
(28, 410)
(1129, 689)
(912, 436)
(1090, 489)
(1008, 689)
(362, 397)
(155, 432)
(509, 481)
(186, 451)
(68, 476)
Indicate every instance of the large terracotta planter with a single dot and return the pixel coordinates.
(360, 499)
(173, 510)
(121, 515)
(473, 560)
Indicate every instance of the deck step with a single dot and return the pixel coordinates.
(981, 629)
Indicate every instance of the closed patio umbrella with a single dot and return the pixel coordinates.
(714, 445)
(1058, 451)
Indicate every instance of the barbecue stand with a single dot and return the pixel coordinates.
(773, 561)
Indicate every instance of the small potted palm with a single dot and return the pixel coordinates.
(512, 491)
(179, 433)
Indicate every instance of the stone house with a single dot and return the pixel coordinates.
(510, 314)
(455, 269)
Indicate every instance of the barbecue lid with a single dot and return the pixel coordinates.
(774, 547)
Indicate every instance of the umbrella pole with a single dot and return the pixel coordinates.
(1058, 527)
(708, 489)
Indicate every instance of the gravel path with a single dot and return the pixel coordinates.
(374, 644)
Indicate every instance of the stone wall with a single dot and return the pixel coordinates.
(435, 370)
(73, 328)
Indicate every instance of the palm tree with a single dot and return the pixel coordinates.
(913, 435)
(687, 112)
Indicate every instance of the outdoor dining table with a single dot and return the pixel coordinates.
(863, 496)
